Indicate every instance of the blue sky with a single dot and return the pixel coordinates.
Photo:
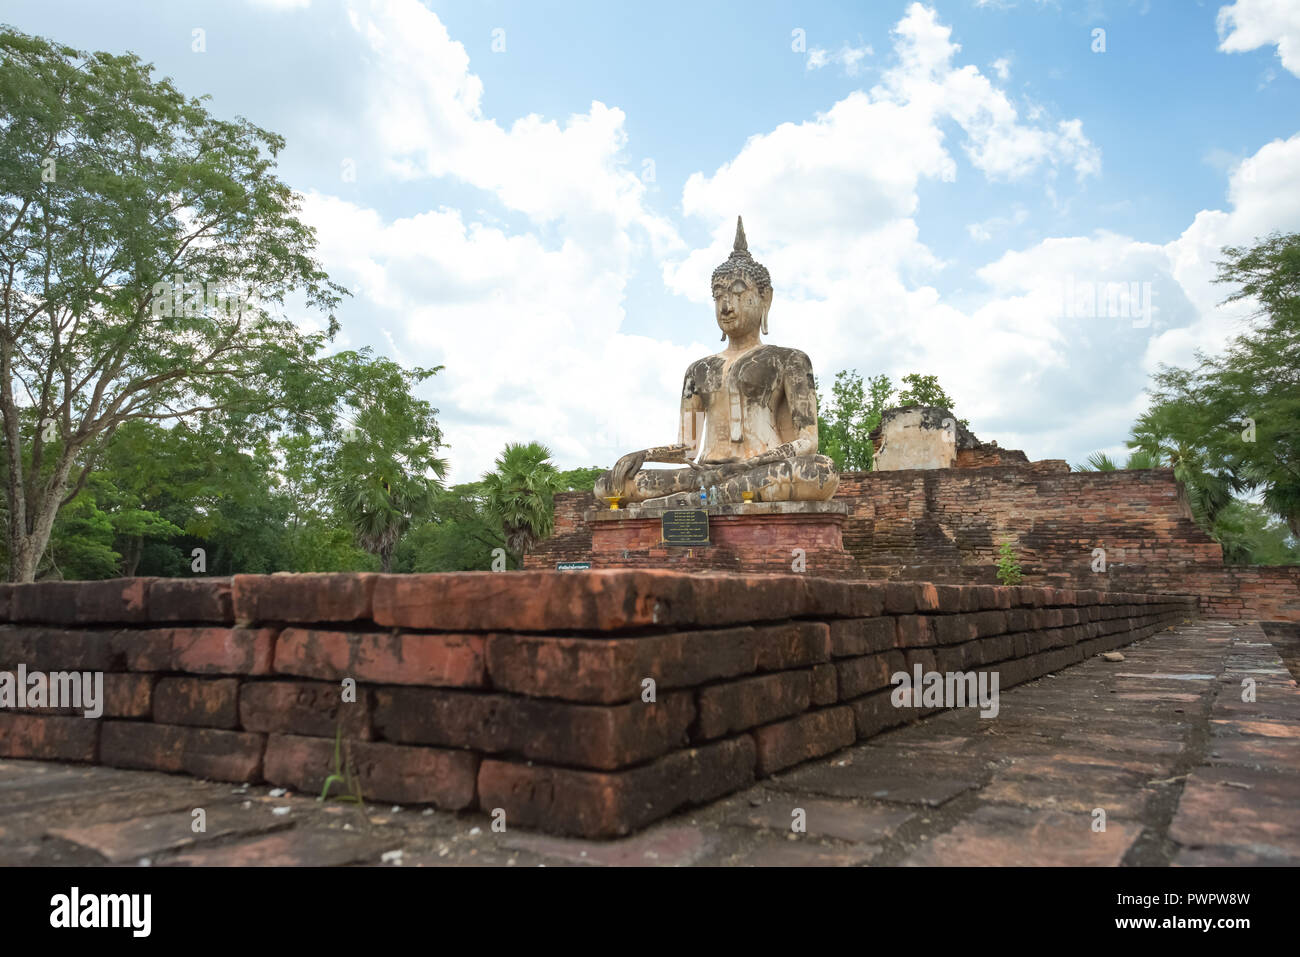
(922, 180)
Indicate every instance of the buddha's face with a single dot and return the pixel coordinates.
(739, 306)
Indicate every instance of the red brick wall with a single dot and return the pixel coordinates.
(945, 525)
(571, 540)
(524, 691)
(986, 456)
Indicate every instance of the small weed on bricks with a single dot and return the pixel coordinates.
(952, 689)
(75, 690)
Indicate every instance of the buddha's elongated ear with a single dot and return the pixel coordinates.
(762, 326)
(724, 338)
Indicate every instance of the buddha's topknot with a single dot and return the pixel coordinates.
(742, 263)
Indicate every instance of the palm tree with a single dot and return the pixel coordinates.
(1138, 459)
(1097, 462)
(521, 494)
(380, 510)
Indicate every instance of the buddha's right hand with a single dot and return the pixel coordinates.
(625, 468)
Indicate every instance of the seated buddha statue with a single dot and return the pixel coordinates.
(748, 413)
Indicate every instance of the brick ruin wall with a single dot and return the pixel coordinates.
(524, 691)
(945, 525)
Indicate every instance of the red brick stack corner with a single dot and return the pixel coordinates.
(523, 691)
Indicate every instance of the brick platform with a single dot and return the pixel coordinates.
(522, 691)
(946, 525)
(780, 537)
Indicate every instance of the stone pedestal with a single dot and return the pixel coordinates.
(775, 537)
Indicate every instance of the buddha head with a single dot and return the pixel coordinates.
(742, 291)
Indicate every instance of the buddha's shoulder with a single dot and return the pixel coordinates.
(765, 353)
(784, 355)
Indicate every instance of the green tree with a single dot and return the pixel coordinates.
(581, 479)
(853, 412)
(130, 220)
(1101, 462)
(520, 493)
(925, 390)
(461, 536)
(382, 462)
(1231, 422)
(1251, 535)
(855, 408)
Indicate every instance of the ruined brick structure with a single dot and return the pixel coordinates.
(521, 691)
(945, 525)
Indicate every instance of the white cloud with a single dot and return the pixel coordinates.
(525, 310)
(998, 143)
(983, 231)
(1002, 67)
(1250, 24)
(848, 57)
(1089, 371)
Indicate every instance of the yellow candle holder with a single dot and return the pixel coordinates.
(747, 496)
(613, 501)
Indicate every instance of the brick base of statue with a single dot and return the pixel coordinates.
(776, 537)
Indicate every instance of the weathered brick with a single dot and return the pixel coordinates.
(875, 712)
(1019, 619)
(598, 600)
(927, 658)
(41, 648)
(989, 623)
(861, 636)
(202, 752)
(203, 702)
(304, 598)
(844, 599)
(49, 602)
(737, 705)
(593, 669)
(825, 685)
(948, 598)
(107, 601)
(48, 737)
(901, 598)
(802, 738)
(389, 773)
(601, 805)
(590, 736)
(954, 629)
(128, 695)
(382, 657)
(112, 600)
(927, 597)
(140, 649)
(857, 676)
(206, 600)
(224, 651)
(913, 631)
(612, 670)
(304, 708)
(791, 646)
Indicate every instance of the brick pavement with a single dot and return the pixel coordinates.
(1185, 771)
